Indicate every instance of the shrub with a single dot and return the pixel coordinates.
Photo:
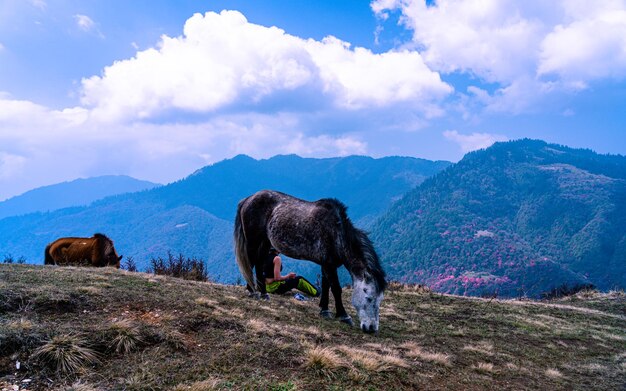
(565, 290)
(129, 264)
(8, 259)
(180, 267)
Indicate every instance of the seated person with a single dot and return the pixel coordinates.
(276, 283)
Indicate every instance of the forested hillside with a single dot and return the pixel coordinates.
(520, 218)
(194, 216)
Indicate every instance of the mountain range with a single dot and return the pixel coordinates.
(520, 218)
(193, 216)
(75, 193)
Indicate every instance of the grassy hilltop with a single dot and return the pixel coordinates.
(115, 330)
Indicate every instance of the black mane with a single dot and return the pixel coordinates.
(359, 244)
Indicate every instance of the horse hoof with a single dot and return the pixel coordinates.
(265, 296)
(347, 320)
(326, 314)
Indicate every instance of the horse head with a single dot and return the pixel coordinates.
(115, 261)
(366, 298)
(110, 257)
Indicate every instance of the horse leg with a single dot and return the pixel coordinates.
(260, 278)
(260, 282)
(340, 311)
(324, 312)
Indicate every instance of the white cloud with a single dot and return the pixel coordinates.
(224, 87)
(84, 22)
(10, 165)
(510, 43)
(223, 60)
(1, 47)
(70, 144)
(587, 49)
(41, 4)
(474, 141)
(360, 78)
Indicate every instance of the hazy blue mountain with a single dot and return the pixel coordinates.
(78, 192)
(519, 218)
(194, 215)
(367, 185)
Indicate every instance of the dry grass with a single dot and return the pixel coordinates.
(197, 336)
(206, 301)
(417, 352)
(80, 386)
(553, 373)
(483, 347)
(205, 385)
(395, 286)
(322, 358)
(68, 353)
(20, 325)
(92, 290)
(371, 360)
(126, 336)
(485, 367)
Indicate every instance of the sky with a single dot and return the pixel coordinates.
(157, 89)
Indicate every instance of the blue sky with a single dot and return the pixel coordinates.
(157, 89)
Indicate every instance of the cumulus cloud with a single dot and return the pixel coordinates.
(70, 143)
(508, 42)
(222, 60)
(587, 49)
(224, 87)
(474, 141)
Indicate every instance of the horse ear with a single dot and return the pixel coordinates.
(120, 257)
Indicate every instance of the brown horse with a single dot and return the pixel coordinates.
(96, 251)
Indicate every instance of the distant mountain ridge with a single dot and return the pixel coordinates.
(78, 192)
(194, 216)
(517, 219)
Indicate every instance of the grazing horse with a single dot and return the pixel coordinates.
(317, 231)
(96, 251)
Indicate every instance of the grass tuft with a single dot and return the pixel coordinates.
(126, 336)
(20, 325)
(205, 385)
(415, 351)
(322, 359)
(484, 367)
(553, 373)
(67, 354)
(373, 361)
(80, 386)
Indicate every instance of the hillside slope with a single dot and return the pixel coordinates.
(518, 219)
(78, 192)
(194, 215)
(158, 333)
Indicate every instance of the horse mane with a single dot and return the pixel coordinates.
(103, 244)
(101, 236)
(358, 243)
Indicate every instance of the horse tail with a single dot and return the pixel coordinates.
(47, 257)
(241, 252)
